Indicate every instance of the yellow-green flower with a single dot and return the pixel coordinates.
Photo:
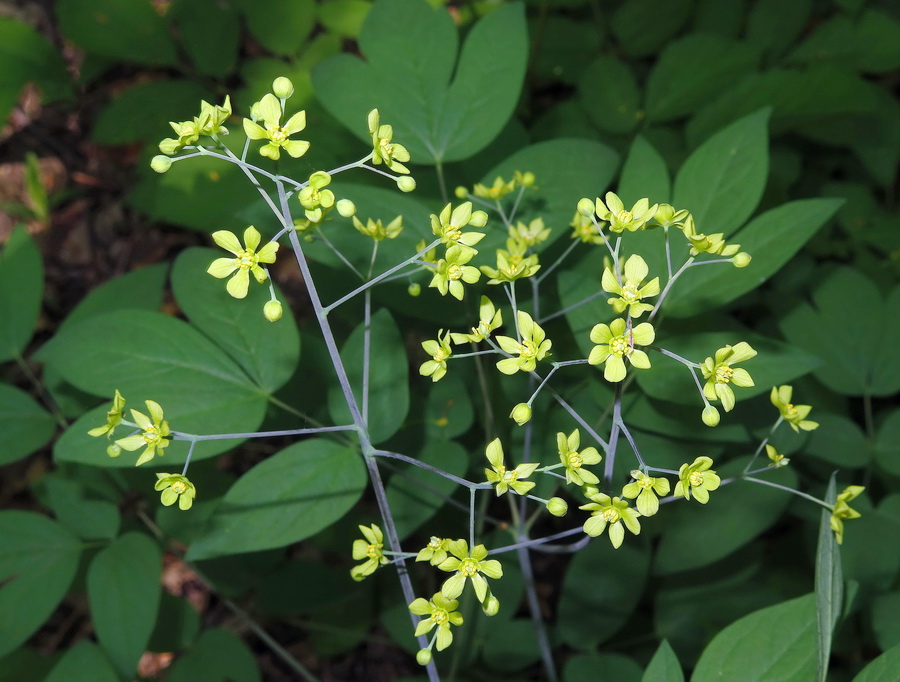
(573, 460)
(383, 150)
(533, 347)
(630, 292)
(377, 231)
(439, 350)
(795, 415)
(210, 122)
(449, 224)
(719, 373)
(777, 458)
(176, 487)
(371, 549)
(468, 566)
(842, 510)
(488, 320)
(612, 512)
(613, 211)
(504, 478)
(512, 263)
(247, 260)
(615, 343)
(646, 489)
(707, 243)
(667, 216)
(697, 479)
(314, 198)
(452, 271)
(531, 234)
(155, 429)
(277, 137)
(495, 192)
(113, 418)
(583, 228)
(440, 612)
(435, 551)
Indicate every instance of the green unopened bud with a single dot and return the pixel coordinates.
(160, 163)
(406, 183)
(478, 219)
(282, 87)
(521, 414)
(557, 506)
(169, 146)
(585, 207)
(346, 208)
(742, 259)
(710, 415)
(414, 289)
(423, 657)
(255, 113)
(114, 451)
(491, 606)
(461, 192)
(527, 179)
(273, 311)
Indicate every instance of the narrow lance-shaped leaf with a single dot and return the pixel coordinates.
(829, 585)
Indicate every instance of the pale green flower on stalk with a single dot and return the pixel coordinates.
(452, 272)
(776, 457)
(583, 228)
(277, 137)
(667, 216)
(316, 200)
(713, 244)
(439, 612)
(449, 224)
(795, 415)
(647, 490)
(532, 234)
(615, 343)
(512, 264)
(499, 189)
(521, 413)
(210, 122)
(465, 566)
(697, 479)
(612, 513)
(155, 429)
(247, 260)
(613, 211)
(377, 231)
(384, 150)
(489, 318)
(369, 548)
(842, 510)
(176, 487)
(435, 551)
(439, 350)
(574, 461)
(533, 347)
(719, 373)
(631, 292)
(503, 478)
(113, 418)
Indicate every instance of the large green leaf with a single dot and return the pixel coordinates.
(218, 656)
(777, 644)
(210, 33)
(21, 290)
(407, 76)
(123, 583)
(38, 560)
(84, 662)
(641, 27)
(609, 94)
(829, 585)
(286, 34)
(286, 498)
(267, 351)
(771, 239)
(882, 668)
(388, 377)
(87, 517)
(773, 25)
(870, 43)
(24, 425)
(644, 174)
(664, 666)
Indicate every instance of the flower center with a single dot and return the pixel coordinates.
(434, 542)
(527, 348)
(696, 479)
(179, 487)
(374, 551)
(790, 410)
(624, 216)
(618, 345)
(469, 567)
(630, 292)
(574, 460)
(439, 616)
(723, 374)
(277, 135)
(646, 483)
(611, 514)
(441, 355)
(454, 272)
(151, 435)
(246, 260)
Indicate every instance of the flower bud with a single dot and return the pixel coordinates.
(414, 289)
(461, 192)
(346, 208)
(169, 146)
(585, 207)
(282, 87)
(742, 260)
(491, 606)
(478, 219)
(114, 451)
(527, 179)
(423, 657)
(557, 506)
(710, 415)
(273, 310)
(160, 163)
(521, 413)
(664, 214)
(406, 183)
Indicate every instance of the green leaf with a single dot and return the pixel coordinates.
(774, 25)
(777, 363)
(601, 589)
(281, 26)
(286, 498)
(24, 425)
(21, 290)
(88, 518)
(772, 239)
(664, 666)
(267, 351)
(643, 26)
(127, 31)
(38, 560)
(150, 356)
(840, 441)
(177, 623)
(141, 112)
(218, 656)
(722, 181)
(509, 644)
(407, 75)
(344, 17)
(733, 517)
(84, 662)
(882, 668)
(123, 585)
(388, 381)
(829, 585)
(887, 444)
(210, 34)
(609, 94)
(644, 174)
(870, 43)
(693, 70)
(826, 330)
(884, 620)
(775, 643)
(594, 666)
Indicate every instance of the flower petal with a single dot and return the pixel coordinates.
(228, 241)
(239, 284)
